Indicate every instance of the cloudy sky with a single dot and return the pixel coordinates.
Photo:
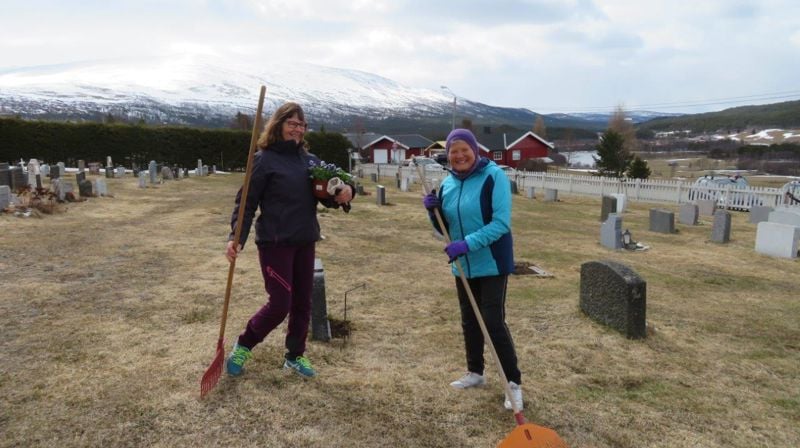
(545, 55)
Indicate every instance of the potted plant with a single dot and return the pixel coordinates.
(325, 178)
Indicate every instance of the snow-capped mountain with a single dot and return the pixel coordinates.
(210, 92)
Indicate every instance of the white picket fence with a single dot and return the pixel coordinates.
(664, 191)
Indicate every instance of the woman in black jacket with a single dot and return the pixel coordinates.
(286, 232)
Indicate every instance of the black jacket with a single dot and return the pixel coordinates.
(281, 187)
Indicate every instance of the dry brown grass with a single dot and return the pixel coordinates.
(110, 313)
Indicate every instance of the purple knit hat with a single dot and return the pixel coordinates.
(466, 136)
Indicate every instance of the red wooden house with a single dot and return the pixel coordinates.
(396, 148)
(511, 148)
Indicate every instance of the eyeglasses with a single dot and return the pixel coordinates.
(296, 124)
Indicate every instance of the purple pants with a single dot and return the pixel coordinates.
(288, 278)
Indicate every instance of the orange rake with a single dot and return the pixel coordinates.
(214, 371)
(525, 435)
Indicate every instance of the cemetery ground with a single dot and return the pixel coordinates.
(110, 316)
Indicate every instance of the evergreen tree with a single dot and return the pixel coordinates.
(612, 158)
(639, 169)
(329, 146)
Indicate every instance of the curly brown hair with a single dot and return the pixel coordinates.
(272, 130)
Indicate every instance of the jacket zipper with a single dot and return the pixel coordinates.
(461, 225)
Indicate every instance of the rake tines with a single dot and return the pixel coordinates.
(214, 371)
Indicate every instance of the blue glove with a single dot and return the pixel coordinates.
(431, 201)
(456, 249)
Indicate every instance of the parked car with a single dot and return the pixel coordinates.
(792, 191)
(711, 187)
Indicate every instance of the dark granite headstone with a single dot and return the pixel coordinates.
(85, 188)
(514, 188)
(5, 174)
(380, 196)
(80, 176)
(662, 221)
(18, 178)
(721, 231)
(320, 326)
(614, 295)
(608, 206)
(373, 177)
(5, 196)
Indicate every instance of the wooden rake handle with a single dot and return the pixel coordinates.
(242, 205)
(517, 413)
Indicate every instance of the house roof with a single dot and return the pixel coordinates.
(364, 138)
(404, 140)
(501, 141)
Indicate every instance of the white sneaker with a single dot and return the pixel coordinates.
(470, 379)
(516, 392)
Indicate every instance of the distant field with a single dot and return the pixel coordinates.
(110, 313)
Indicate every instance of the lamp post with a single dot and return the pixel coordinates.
(445, 88)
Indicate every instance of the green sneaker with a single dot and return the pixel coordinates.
(236, 360)
(301, 365)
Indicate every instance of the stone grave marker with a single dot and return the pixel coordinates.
(18, 178)
(81, 166)
(33, 171)
(55, 172)
(706, 207)
(550, 195)
(530, 193)
(611, 232)
(380, 195)
(621, 202)
(67, 187)
(45, 170)
(39, 181)
(373, 177)
(108, 161)
(404, 184)
(320, 326)
(119, 172)
(662, 221)
(721, 230)
(85, 188)
(199, 170)
(785, 215)
(689, 214)
(776, 239)
(5, 196)
(5, 174)
(514, 188)
(153, 173)
(80, 176)
(109, 172)
(166, 173)
(94, 168)
(205, 170)
(607, 206)
(100, 187)
(614, 295)
(142, 179)
(759, 213)
(55, 185)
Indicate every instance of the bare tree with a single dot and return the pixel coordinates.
(539, 127)
(623, 125)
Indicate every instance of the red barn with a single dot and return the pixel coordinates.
(396, 148)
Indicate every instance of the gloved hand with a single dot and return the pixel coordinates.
(456, 249)
(431, 201)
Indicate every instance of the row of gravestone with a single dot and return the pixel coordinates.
(403, 184)
(778, 232)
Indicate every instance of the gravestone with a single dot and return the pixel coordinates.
(62, 170)
(5, 196)
(607, 206)
(360, 190)
(85, 188)
(33, 171)
(100, 187)
(530, 193)
(66, 187)
(776, 239)
(785, 215)
(721, 231)
(81, 166)
(45, 170)
(614, 295)
(109, 172)
(706, 207)
(205, 170)
(621, 202)
(373, 177)
(55, 172)
(55, 185)
(142, 179)
(662, 221)
(514, 188)
(759, 213)
(213, 169)
(94, 168)
(611, 232)
(166, 173)
(320, 326)
(119, 172)
(18, 178)
(153, 171)
(397, 179)
(80, 176)
(199, 170)
(39, 181)
(108, 161)
(380, 195)
(550, 195)
(404, 184)
(689, 214)
(5, 174)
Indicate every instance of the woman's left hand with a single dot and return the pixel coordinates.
(345, 195)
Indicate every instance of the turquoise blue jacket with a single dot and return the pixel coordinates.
(478, 210)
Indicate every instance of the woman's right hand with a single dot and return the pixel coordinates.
(231, 252)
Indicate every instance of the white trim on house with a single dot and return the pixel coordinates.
(532, 134)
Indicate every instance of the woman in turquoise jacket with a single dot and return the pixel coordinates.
(475, 203)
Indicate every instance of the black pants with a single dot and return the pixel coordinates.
(490, 295)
